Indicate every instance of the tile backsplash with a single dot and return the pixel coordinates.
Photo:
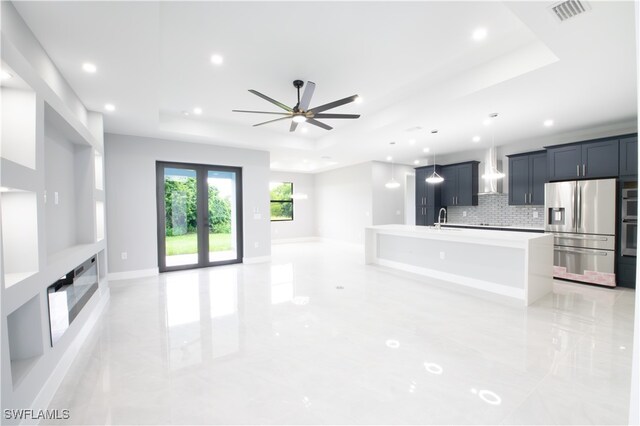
(494, 209)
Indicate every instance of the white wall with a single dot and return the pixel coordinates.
(130, 170)
(303, 223)
(344, 203)
(388, 204)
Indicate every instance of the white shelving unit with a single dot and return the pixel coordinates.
(52, 218)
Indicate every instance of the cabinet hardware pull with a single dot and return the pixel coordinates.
(529, 198)
(584, 170)
(525, 198)
(577, 169)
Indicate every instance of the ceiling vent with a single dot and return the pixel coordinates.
(568, 9)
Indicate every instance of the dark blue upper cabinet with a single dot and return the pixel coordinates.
(586, 160)
(564, 162)
(538, 177)
(460, 186)
(629, 156)
(600, 159)
(527, 176)
(519, 180)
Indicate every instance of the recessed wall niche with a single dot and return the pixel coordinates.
(69, 182)
(19, 235)
(25, 338)
(19, 126)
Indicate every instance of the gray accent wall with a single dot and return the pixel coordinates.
(344, 203)
(130, 170)
(303, 223)
(495, 210)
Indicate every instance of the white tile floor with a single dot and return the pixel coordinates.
(316, 336)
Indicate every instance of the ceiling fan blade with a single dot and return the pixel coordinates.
(321, 115)
(260, 112)
(271, 121)
(319, 124)
(334, 104)
(273, 101)
(306, 96)
(293, 126)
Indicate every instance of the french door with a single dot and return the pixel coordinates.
(199, 215)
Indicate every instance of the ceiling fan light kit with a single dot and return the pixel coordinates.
(301, 112)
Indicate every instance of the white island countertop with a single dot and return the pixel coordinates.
(515, 264)
(478, 236)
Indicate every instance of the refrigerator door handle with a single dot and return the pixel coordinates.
(579, 207)
(581, 237)
(581, 251)
(573, 213)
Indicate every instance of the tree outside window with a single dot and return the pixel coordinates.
(281, 201)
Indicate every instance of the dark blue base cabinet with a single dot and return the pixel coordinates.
(427, 197)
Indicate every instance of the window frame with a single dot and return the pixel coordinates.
(290, 201)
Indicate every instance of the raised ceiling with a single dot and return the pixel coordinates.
(415, 65)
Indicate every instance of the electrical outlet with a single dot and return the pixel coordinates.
(257, 216)
(55, 198)
(123, 255)
(464, 213)
(535, 214)
(441, 255)
(256, 244)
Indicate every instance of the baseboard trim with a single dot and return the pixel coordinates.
(50, 387)
(294, 240)
(258, 259)
(128, 275)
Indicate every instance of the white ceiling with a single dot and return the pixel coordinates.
(414, 64)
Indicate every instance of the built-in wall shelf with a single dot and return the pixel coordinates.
(19, 235)
(24, 328)
(19, 117)
(52, 204)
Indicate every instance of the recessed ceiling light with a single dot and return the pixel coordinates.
(412, 141)
(486, 122)
(416, 161)
(4, 75)
(425, 150)
(476, 139)
(89, 67)
(389, 158)
(109, 107)
(358, 99)
(548, 123)
(197, 110)
(217, 59)
(479, 34)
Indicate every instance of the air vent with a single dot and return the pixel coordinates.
(569, 9)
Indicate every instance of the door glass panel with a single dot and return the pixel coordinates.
(181, 217)
(222, 226)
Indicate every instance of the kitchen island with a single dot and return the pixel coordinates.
(513, 264)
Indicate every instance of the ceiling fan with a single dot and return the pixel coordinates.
(300, 112)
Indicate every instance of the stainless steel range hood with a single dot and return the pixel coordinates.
(490, 186)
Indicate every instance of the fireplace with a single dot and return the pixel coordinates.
(69, 294)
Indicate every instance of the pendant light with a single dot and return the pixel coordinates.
(434, 178)
(493, 172)
(393, 183)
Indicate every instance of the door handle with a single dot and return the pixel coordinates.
(579, 207)
(581, 251)
(584, 169)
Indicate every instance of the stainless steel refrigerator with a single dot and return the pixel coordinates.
(581, 215)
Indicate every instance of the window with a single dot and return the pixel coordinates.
(281, 201)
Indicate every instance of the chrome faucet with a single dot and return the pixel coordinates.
(440, 217)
